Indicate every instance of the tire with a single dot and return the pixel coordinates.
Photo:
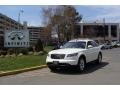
(53, 69)
(81, 65)
(99, 59)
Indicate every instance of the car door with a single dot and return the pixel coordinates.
(91, 51)
(95, 49)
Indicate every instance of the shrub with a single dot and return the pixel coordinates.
(3, 52)
(30, 49)
(51, 43)
(39, 46)
(11, 51)
(24, 51)
(0, 53)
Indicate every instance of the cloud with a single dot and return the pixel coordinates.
(111, 13)
(33, 13)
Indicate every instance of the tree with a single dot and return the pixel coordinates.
(72, 17)
(39, 46)
(90, 31)
(63, 19)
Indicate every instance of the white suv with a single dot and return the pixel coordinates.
(76, 53)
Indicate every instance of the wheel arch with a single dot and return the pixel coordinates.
(82, 56)
(100, 53)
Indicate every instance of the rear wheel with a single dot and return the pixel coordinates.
(81, 64)
(99, 60)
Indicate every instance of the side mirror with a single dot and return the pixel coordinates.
(90, 46)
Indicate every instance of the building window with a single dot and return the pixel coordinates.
(11, 43)
(14, 43)
(24, 43)
(18, 43)
(8, 43)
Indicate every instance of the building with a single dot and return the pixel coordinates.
(1, 38)
(106, 31)
(6, 23)
(94, 30)
(37, 33)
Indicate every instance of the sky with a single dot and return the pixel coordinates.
(33, 13)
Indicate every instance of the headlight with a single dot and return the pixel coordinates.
(48, 55)
(72, 55)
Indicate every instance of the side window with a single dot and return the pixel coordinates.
(94, 44)
(89, 43)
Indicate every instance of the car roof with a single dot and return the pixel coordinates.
(81, 39)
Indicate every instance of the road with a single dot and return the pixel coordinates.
(107, 73)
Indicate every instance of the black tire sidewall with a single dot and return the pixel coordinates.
(98, 62)
(52, 68)
(78, 66)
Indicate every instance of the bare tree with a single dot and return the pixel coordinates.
(64, 18)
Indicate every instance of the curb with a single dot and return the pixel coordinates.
(21, 70)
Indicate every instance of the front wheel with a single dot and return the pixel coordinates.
(81, 64)
(53, 69)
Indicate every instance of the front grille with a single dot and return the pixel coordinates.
(57, 56)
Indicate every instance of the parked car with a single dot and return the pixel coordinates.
(102, 46)
(114, 44)
(75, 53)
(106, 46)
(118, 44)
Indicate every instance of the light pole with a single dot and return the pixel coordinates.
(104, 29)
(21, 11)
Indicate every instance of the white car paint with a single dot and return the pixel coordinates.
(90, 53)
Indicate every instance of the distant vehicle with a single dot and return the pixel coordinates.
(102, 47)
(75, 53)
(114, 43)
(118, 44)
(106, 46)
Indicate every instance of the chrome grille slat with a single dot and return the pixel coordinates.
(57, 56)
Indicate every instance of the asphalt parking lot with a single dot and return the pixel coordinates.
(108, 73)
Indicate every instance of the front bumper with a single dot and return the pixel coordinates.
(60, 65)
(68, 61)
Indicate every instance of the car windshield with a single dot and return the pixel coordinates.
(75, 45)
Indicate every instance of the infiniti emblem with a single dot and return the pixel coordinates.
(16, 35)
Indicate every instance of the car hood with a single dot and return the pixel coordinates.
(66, 51)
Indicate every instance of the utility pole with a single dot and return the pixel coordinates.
(21, 11)
(104, 29)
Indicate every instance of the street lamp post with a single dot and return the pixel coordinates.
(21, 11)
(104, 29)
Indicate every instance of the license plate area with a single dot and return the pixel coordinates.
(55, 62)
